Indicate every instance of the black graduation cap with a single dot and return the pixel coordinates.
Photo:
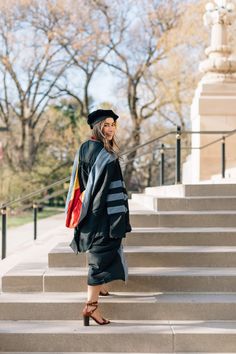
(99, 115)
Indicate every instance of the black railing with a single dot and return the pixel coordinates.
(178, 156)
(223, 157)
(162, 165)
(178, 148)
(4, 231)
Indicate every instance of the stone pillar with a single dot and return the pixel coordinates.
(214, 103)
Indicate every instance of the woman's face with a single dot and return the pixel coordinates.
(109, 128)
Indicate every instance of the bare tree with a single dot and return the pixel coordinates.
(134, 57)
(88, 45)
(31, 65)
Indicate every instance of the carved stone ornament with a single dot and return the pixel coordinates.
(219, 65)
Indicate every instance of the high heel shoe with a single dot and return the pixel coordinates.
(88, 313)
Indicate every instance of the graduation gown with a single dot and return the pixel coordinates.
(97, 208)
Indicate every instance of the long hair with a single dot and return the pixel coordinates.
(110, 145)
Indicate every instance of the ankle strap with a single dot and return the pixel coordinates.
(94, 303)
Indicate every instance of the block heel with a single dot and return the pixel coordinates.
(88, 313)
(86, 320)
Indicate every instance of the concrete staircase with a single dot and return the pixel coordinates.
(180, 296)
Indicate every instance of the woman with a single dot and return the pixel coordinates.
(97, 208)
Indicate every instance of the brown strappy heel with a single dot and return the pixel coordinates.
(87, 314)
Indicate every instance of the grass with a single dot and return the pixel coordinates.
(27, 216)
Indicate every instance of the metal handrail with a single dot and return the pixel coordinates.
(230, 132)
(45, 198)
(147, 143)
(32, 194)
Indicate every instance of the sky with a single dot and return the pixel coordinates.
(102, 87)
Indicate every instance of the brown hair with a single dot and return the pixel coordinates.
(110, 145)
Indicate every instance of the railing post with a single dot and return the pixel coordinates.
(35, 207)
(223, 157)
(4, 231)
(178, 156)
(162, 166)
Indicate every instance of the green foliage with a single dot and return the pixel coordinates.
(65, 132)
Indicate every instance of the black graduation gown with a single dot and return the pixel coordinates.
(107, 220)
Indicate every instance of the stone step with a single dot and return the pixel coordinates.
(63, 256)
(119, 306)
(185, 204)
(184, 219)
(194, 190)
(153, 279)
(154, 256)
(192, 236)
(119, 336)
(36, 277)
